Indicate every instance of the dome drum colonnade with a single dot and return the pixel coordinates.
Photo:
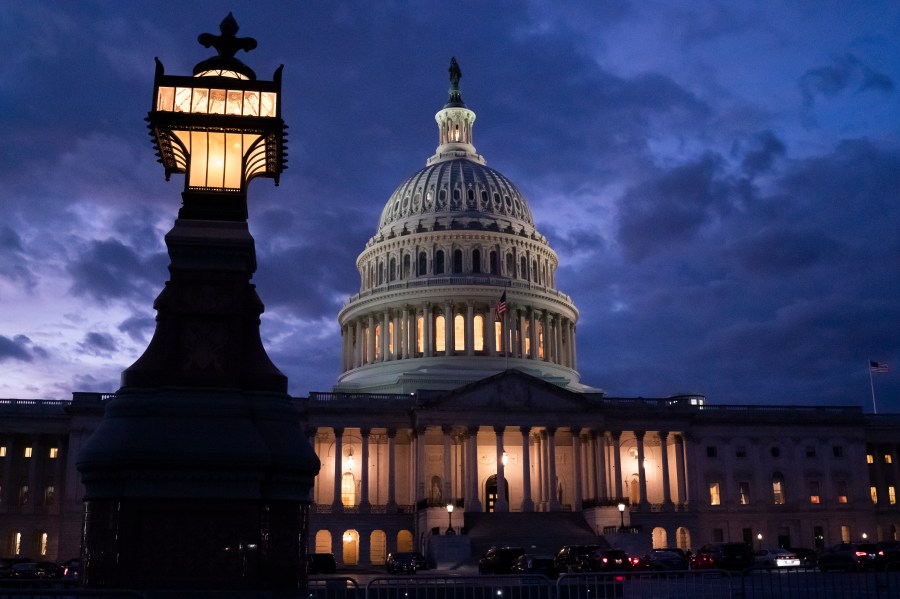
(452, 239)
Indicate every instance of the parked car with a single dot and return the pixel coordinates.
(663, 560)
(35, 571)
(848, 556)
(529, 563)
(571, 558)
(734, 557)
(321, 563)
(608, 560)
(402, 563)
(775, 558)
(808, 557)
(888, 555)
(499, 560)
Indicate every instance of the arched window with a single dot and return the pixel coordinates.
(459, 333)
(457, 261)
(406, 266)
(476, 261)
(510, 266)
(436, 492)
(377, 548)
(404, 541)
(323, 541)
(390, 338)
(377, 342)
(439, 262)
(498, 336)
(350, 553)
(348, 489)
(534, 272)
(420, 335)
(380, 273)
(778, 488)
(527, 338)
(439, 333)
(478, 332)
(523, 264)
(423, 264)
(495, 267)
(392, 271)
(540, 340)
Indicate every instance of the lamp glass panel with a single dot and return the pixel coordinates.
(182, 99)
(200, 100)
(165, 99)
(267, 104)
(234, 102)
(233, 160)
(199, 154)
(217, 101)
(251, 103)
(215, 176)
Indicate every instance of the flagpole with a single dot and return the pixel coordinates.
(872, 387)
(508, 335)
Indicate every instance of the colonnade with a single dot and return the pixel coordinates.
(595, 472)
(467, 328)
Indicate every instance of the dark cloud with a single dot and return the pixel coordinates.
(98, 344)
(14, 349)
(138, 328)
(784, 251)
(767, 148)
(108, 270)
(846, 72)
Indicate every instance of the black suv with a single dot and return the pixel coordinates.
(723, 556)
(499, 560)
(572, 558)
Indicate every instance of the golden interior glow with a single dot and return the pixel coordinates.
(439, 334)
(420, 334)
(390, 338)
(203, 100)
(498, 336)
(504, 459)
(348, 490)
(54, 453)
(43, 550)
(459, 333)
(478, 331)
(714, 497)
(217, 158)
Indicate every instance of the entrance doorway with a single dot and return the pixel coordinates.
(490, 492)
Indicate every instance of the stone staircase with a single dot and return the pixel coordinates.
(537, 532)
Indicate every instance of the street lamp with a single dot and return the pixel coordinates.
(450, 518)
(621, 507)
(759, 538)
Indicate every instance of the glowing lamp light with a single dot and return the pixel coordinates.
(759, 536)
(621, 508)
(504, 459)
(347, 537)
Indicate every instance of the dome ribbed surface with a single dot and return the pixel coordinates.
(457, 188)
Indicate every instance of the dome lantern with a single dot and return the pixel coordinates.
(455, 123)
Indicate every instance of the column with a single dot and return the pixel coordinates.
(428, 332)
(600, 456)
(551, 469)
(447, 490)
(502, 504)
(545, 319)
(364, 505)
(574, 349)
(408, 335)
(449, 336)
(532, 332)
(385, 335)
(520, 319)
(472, 502)
(679, 469)
(470, 328)
(576, 467)
(370, 345)
(336, 505)
(490, 331)
(392, 470)
(546, 487)
(398, 336)
(419, 478)
(617, 464)
(539, 467)
(664, 466)
(642, 474)
(527, 503)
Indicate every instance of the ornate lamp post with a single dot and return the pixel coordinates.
(199, 475)
(621, 507)
(450, 518)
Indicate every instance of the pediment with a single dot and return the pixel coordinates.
(508, 391)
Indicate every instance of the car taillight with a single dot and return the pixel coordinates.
(861, 554)
(881, 552)
(635, 560)
(65, 571)
(605, 560)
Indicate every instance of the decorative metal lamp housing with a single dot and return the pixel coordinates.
(221, 127)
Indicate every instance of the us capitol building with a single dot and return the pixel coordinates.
(459, 418)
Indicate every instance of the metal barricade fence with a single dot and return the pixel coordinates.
(461, 587)
(694, 584)
(333, 587)
(799, 583)
(59, 592)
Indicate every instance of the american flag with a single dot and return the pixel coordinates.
(501, 306)
(878, 367)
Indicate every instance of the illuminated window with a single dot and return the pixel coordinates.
(842, 491)
(845, 534)
(888, 459)
(744, 493)
(390, 339)
(23, 495)
(49, 495)
(540, 329)
(892, 495)
(2, 451)
(527, 338)
(348, 490)
(44, 539)
(54, 453)
(17, 543)
(498, 336)
(420, 334)
(870, 459)
(714, 498)
(814, 493)
(440, 343)
(778, 488)
(27, 452)
(478, 330)
(377, 342)
(873, 491)
(459, 333)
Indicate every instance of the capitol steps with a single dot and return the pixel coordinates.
(536, 532)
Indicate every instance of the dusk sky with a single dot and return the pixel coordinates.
(721, 180)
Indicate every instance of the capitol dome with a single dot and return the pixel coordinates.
(456, 284)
